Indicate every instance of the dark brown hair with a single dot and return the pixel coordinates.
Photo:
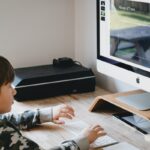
(6, 71)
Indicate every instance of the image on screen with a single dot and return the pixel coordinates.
(130, 31)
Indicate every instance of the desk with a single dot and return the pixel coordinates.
(138, 37)
(48, 135)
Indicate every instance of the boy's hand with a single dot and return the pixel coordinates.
(64, 111)
(93, 132)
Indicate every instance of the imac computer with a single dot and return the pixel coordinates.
(123, 45)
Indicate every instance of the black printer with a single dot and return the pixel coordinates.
(45, 81)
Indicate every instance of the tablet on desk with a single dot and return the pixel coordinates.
(135, 121)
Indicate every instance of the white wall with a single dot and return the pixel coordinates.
(85, 43)
(33, 32)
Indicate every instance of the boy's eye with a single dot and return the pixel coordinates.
(9, 85)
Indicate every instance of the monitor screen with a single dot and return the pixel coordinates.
(123, 40)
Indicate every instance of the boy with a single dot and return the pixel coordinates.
(10, 124)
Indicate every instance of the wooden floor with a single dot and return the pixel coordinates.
(49, 135)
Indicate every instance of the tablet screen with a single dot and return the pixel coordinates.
(139, 123)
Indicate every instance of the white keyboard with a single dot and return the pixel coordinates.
(103, 141)
(75, 127)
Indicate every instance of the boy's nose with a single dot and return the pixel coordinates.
(14, 92)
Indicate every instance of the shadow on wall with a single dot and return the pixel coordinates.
(111, 84)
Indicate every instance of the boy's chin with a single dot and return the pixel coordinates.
(6, 111)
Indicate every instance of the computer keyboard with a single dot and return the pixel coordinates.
(75, 127)
(103, 141)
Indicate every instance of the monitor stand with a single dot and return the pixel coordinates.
(140, 101)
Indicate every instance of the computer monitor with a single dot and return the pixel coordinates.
(123, 45)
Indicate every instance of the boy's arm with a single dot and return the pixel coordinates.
(30, 118)
(11, 138)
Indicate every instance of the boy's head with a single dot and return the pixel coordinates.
(6, 71)
(6, 91)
